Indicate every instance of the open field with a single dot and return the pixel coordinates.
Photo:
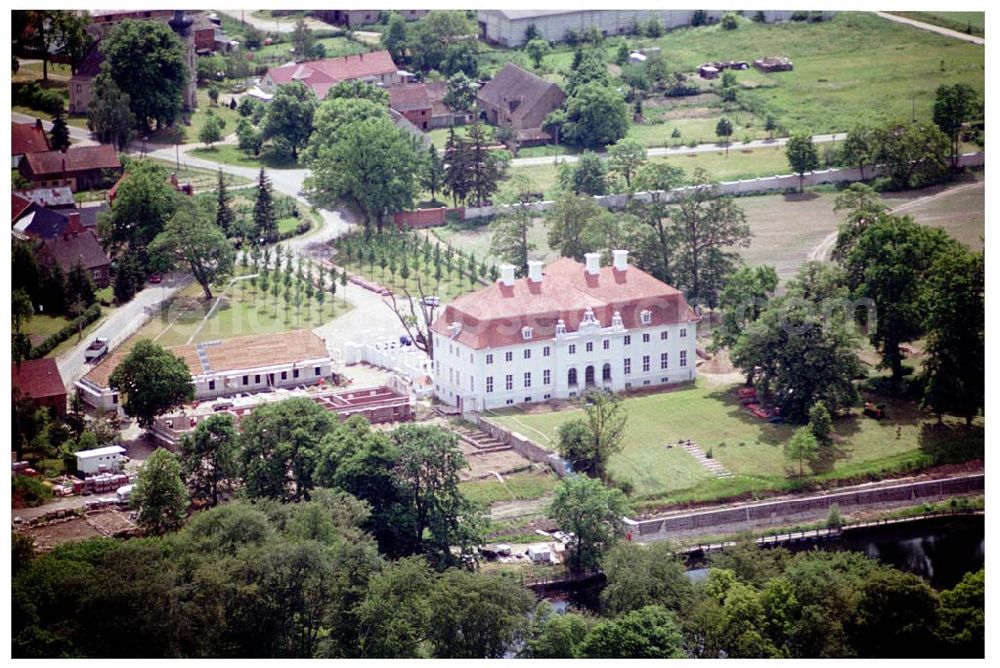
(201, 179)
(855, 68)
(749, 448)
(239, 313)
(973, 23)
(788, 227)
(230, 154)
(517, 487)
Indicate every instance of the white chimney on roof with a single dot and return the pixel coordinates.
(535, 271)
(593, 263)
(620, 259)
(507, 274)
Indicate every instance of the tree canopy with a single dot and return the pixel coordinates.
(153, 380)
(193, 240)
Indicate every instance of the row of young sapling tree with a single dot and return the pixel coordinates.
(401, 255)
(279, 275)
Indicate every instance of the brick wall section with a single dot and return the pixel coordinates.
(420, 218)
(774, 510)
(521, 445)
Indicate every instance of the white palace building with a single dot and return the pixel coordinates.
(561, 331)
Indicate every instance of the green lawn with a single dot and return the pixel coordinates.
(856, 68)
(749, 448)
(230, 154)
(201, 179)
(518, 487)
(973, 23)
(241, 313)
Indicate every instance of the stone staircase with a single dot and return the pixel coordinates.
(713, 465)
(481, 441)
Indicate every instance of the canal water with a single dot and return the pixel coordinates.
(941, 550)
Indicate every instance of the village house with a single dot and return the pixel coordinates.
(79, 167)
(40, 381)
(27, 138)
(81, 84)
(520, 99)
(53, 198)
(322, 75)
(75, 246)
(239, 365)
(562, 331)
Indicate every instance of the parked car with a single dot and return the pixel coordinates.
(124, 493)
(155, 278)
(97, 349)
(431, 300)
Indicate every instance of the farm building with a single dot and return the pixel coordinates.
(99, 460)
(773, 64)
(506, 27)
(78, 168)
(241, 365)
(562, 331)
(520, 99)
(26, 138)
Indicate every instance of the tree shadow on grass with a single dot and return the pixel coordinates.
(951, 442)
(800, 197)
(766, 433)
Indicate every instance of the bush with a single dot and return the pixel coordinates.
(833, 518)
(699, 18)
(34, 96)
(49, 344)
(28, 492)
(799, 16)
(729, 22)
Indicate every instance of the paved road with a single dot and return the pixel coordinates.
(682, 150)
(81, 135)
(283, 24)
(933, 28)
(121, 322)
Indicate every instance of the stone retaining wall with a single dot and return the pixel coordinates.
(769, 511)
(522, 445)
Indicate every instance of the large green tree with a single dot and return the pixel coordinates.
(593, 513)
(281, 448)
(954, 106)
(571, 225)
(371, 164)
(146, 61)
(435, 513)
(953, 304)
(641, 575)
(109, 115)
(511, 229)
(743, 297)
(193, 241)
(153, 380)
(889, 263)
(595, 115)
(142, 206)
(208, 457)
(658, 179)
(265, 219)
(648, 633)
(159, 493)
(625, 158)
(289, 119)
(707, 226)
(914, 154)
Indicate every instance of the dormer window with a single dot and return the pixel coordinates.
(588, 317)
(560, 327)
(526, 333)
(646, 317)
(454, 329)
(616, 320)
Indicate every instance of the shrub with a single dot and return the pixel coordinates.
(49, 344)
(28, 492)
(833, 518)
(34, 96)
(799, 16)
(699, 18)
(729, 22)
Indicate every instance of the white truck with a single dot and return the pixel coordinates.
(124, 493)
(96, 351)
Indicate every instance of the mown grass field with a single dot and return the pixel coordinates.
(855, 68)
(749, 448)
(244, 311)
(518, 487)
(230, 154)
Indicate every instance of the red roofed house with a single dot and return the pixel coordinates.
(40, 380)
(413, 102)
(322, 75)
(522, 100)
(80, 167)
(26, 138)
(76, 246)
(557, 333)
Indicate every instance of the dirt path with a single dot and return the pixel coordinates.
(824, 248)
(933, 28)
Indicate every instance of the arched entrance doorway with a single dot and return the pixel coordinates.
(588, 376)
(571, 378)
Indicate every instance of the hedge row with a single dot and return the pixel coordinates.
(49, 344)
